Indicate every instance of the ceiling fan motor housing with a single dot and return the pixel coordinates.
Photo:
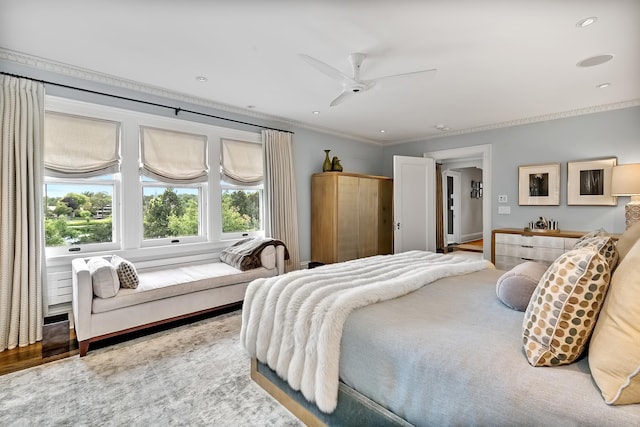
(357, 87)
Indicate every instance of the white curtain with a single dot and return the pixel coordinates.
(21, 238)
(175, 157)
(281, 219)
(241, 162)
(80, 147)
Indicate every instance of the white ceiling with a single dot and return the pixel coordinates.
(498, 62)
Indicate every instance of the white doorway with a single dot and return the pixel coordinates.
(451, 204)
(481, 154)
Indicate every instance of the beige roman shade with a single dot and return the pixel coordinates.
(174, 157)
(241, 162)
(80, 146)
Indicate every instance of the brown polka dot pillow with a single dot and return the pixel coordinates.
(126, 272)
(603, 243)
(564, 307)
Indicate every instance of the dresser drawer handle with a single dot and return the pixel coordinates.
(527, 259)
(525, 246)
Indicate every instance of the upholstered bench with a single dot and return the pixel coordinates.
(162, 295)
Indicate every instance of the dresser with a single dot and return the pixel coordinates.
(513, 246)
(351, 216)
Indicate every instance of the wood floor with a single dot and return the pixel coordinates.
(474, 246)
(26, 357)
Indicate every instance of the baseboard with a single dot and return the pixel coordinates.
(464, 238)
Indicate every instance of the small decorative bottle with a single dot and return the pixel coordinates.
(335, 164)
(326, 166)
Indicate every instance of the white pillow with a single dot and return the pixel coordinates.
(268, 257)
(104, 277)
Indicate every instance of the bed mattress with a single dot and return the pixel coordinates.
(451, 354)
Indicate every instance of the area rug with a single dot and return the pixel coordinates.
(192, 375)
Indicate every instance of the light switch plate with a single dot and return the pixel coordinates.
(502, 198)
(504, 210)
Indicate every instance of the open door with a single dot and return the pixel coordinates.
(414, 195)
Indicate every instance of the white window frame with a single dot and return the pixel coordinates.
(241, 234)
(115, 218)
(202, 209)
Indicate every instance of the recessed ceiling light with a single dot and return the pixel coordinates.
(202, 79)
(595, 60)
(316, 112)
(586, 22)
(603, 85)
(442, 127)
(382, 131)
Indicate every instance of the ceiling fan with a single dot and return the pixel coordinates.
(352, 85)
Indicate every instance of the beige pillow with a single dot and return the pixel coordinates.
(628, 239)
(104, 278)
(614, 351)
(515, 287)
(127, 273)
(564, 308)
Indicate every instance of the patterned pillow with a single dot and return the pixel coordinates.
(564, 307)
(126, 272)
(603, 243)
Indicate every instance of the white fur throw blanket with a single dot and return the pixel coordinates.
(294, 322)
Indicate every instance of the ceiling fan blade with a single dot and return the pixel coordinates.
(341, 98)
(326, 68)
(431, 72)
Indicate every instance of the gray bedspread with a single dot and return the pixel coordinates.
(451, 354)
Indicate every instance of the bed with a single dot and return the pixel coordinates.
(445, 353)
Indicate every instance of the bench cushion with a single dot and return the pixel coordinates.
(166, 283)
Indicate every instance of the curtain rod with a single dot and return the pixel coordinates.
(175, 109)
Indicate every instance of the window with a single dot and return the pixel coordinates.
(241, 209)
(120, 181)
(174, 172)
(170, 211)
(79, 212)
(241, 168)
(82, 161)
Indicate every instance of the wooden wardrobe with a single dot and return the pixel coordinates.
(351, 216)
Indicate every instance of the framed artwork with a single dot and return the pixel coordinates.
(539, 185)
(589, 182)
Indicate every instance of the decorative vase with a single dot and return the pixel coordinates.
(335, 164)
(326, 166)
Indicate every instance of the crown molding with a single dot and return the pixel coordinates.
(113, 81)
(107, 79)
(529, 120)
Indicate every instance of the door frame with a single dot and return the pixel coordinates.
(481, 152)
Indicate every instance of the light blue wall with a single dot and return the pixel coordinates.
(613, 133)
(308, 145)
(606, 134)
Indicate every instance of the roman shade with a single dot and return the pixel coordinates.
(174, 157)
(241, 162)
(80, 147)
